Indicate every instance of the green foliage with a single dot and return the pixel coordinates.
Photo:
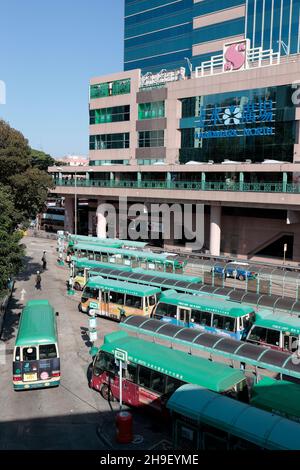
(30, 189)
(11, 251)
(24, 185)
(41, 160)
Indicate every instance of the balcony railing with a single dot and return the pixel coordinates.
(185, 185)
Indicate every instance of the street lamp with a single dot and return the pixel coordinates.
(75, 214)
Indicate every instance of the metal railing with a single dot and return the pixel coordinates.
(263, 187)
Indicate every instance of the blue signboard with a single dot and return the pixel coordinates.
(254, 118)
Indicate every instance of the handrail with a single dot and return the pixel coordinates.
(231, 186)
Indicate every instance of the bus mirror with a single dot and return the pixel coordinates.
(57, 314)
(93, 351)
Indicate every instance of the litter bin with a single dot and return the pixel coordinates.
(124, 427)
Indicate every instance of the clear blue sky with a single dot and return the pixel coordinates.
(49, 51)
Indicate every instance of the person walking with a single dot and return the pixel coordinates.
(38, 281)
(44, 260)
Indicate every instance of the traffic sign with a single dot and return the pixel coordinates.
(121, 355)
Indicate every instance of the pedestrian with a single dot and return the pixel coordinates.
(44, 260)
(38, 281)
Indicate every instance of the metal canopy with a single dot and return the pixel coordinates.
(258, 300)
(258, 356)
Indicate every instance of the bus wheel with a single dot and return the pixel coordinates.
(106, 393)
(77, 286)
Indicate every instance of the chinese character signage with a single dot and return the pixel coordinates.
(255, 118)
(164, 76)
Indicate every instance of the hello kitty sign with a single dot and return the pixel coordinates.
(235, 55)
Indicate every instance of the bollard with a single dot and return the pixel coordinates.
(124, 426)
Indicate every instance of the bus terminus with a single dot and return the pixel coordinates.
(153, 372)
(118, 299)
(36, 362)
(216, 315)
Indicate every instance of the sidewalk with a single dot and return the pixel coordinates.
(149, 431)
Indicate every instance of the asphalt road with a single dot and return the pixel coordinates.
(71, 416)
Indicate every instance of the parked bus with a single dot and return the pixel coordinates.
(278, 331)
(277, 396)
(36, 362)
(204, 420)
(145, 259)
(82, 269)
(153, 372)
(117, 299)
(207, 313)
(107, 241)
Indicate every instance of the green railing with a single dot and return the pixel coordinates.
(185, 185)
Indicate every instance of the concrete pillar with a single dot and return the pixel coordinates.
(215, 230)
(91, 218)
(139, 179)
(203, 181)
(284, 181)
(169, 180)
(101, 222)
(69, 214)
(241, 181)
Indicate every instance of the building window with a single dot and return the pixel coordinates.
(152, 110)
(149, 161)
(108, 162)
(151, 139)
(109, 141)
(105, 115)
(118, 87)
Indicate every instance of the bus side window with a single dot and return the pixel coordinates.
(132, 373)
(144, 377)
(205, 319)
(116, 298)
(172, 385)
(195, 316)
(133, 301)
(157, 382)
(17, 354)
(273, 337)
(152, 300)
(258, 333)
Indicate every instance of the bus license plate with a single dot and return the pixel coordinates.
(29, 377)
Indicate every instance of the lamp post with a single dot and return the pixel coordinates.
(75, 208)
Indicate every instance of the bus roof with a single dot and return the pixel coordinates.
(147, 255)
(277, 396)
(278, 321)
(237, 418)
(122, 287)
(37, 324)
(107, 241)
(90, 263)
(171, 276)
(177, 364)
(206, 303)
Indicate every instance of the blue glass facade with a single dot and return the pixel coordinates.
(274, 24)
(159, 34)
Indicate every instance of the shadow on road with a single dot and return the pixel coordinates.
(11, 319)
(85, 337)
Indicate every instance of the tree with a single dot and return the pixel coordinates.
(41, 160)
(11, 251)
(30, 190)
(14, 152)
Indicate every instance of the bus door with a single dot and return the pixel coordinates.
(184, 316)
(105, 303)
(290, 343)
